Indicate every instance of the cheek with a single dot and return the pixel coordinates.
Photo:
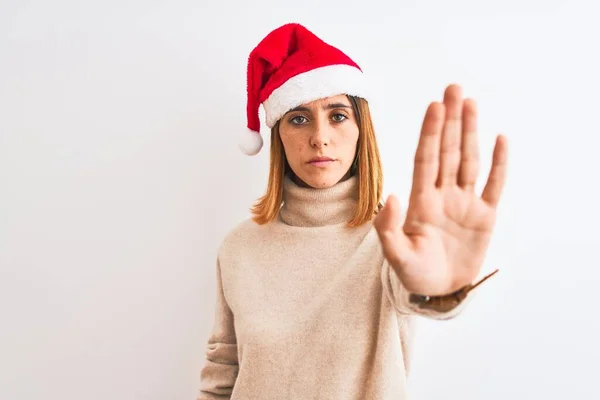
(350, 142)
(293, 147)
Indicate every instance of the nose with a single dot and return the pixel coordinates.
(321, 137)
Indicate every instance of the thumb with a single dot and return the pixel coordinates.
(388, 219)
(394, 242)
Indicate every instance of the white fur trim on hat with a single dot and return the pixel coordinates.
(319, 83)
(250, 142)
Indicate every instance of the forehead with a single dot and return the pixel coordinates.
(340, 99)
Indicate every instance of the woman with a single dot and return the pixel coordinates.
(317, 290)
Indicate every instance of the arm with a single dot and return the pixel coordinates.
(399, 297)
(436, 307)
(219, 373)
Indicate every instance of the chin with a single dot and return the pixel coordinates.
(322, 181)
(322, 184)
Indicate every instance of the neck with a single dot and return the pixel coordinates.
(312, 207)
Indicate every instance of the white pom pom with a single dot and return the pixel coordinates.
(250, 142)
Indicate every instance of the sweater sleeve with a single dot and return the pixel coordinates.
(218, 376)
(399, 297)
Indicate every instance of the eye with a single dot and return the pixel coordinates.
(339, 117)
(298, 120)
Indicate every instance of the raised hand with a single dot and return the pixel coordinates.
(440, 244)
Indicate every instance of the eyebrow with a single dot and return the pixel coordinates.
(327, 107)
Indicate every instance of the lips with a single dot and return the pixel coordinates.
(320, 159)
(321, 162)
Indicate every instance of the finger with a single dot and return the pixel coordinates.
(426, 169)
(469, 161)
(451, 137)
(387, 224)
(495, 183)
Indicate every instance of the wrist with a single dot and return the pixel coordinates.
(447, 302)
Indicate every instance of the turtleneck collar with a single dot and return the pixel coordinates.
(310, 207)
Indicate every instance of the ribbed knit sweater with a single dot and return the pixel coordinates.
(308, 308)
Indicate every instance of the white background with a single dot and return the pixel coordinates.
(120, 175)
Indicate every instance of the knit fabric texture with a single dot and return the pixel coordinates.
(308, 308)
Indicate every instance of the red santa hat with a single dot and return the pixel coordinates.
(289, 67)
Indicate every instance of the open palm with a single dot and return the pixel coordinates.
(439, 245)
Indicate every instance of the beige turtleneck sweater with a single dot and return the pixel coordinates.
(309, 309)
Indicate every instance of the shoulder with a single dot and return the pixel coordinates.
(245, 235)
